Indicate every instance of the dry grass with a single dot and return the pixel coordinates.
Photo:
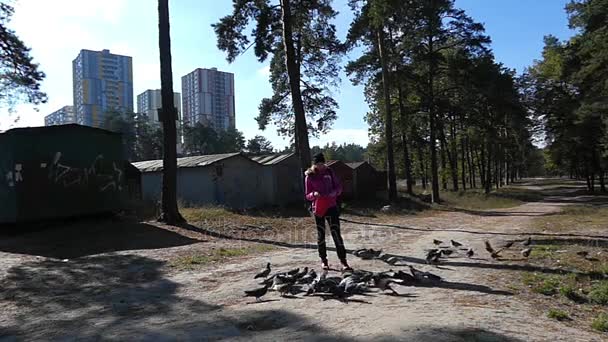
(477, 200)
(192, 261)
(269, 225)
(575, 218)
(582, 287)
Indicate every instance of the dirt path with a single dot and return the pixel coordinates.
(123, 296)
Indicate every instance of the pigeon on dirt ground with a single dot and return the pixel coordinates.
(455, 243)
(308, 278)
(470, 253)
(264, 273)
(301, 273)
(432, 256)
(447, 252)
(437, 242)
(423, 276)
(508, 244)
(528, 241)
(384, 284)
(257, 293)
(526, 252)
(489, 247)
(495, 254)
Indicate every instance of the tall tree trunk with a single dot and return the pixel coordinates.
(293, 71)
(488, 181)
(463, 152)
(170, 213)
(602, 181)
(433, 143)
(406, 153)
(444, 180)
(471, 163)
(388, 122)
(481, 164)
(422, 166)
(452, 156)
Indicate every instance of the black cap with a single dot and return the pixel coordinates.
(319, 158)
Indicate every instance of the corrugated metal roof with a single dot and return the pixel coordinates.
(195, 161)
(271, 159)
(356, 164)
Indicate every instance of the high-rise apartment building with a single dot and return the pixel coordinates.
(208, 98)
(150, 101)
(102, 82)
(62, 116)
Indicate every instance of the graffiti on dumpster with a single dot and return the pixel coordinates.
(13, 175)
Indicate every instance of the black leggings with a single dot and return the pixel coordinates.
(333, 220)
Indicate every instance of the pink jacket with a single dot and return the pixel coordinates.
(327, 185)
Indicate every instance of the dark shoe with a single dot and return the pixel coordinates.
(346, 267)
(324, 265)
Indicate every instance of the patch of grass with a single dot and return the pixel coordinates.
(558, 315)
(544, 251)
(600, 323)
(189, 262)
(574, 218)
(206, 213)
(543, 284)
(599, 293)
(477, 200)
(570, 292)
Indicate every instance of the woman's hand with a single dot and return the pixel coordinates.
(316, 194)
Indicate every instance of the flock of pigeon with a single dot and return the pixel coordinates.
(433, 255)
(308, 282)
(356, 282)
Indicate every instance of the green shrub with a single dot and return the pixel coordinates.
(599, 293)
(600, 323)
(569, 291)
(558, 315)
(547, 286)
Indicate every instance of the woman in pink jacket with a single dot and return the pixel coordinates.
(322, 189)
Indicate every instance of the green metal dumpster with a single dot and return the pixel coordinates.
(60, 171)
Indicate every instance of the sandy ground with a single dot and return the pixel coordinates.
(131, 295)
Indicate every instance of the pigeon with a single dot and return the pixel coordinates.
(583, 254)
(308, 278)
(437, 242)
(282, 284)
(423, 276)
(365, 254)
(257, 293)
(455, 243)
(470, 253)
(264, 273)
(526, 252)
(508, 244)
(447, 252)
(294, 271)
(385, 284)
(489, 247)
(404, 277)
(432, 256)
(301, 273)
(377, 253)
(528, 241)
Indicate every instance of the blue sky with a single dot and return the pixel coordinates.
(57, 30)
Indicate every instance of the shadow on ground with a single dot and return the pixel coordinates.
(124, 297)
(90, 237)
